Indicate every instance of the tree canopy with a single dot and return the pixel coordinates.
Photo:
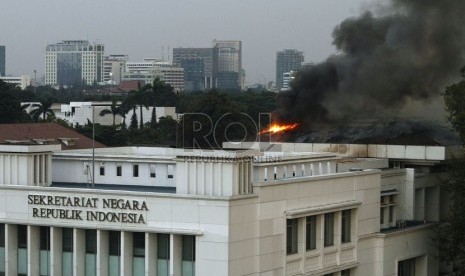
(450, 235)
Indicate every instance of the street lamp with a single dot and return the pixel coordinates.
(93, 138)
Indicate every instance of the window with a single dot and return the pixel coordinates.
(138, 244)
(22, 236)
(188, 255)
(102, 169)
(119, 170)
(135, 170)
(44, 238)
(329, 229)
(387, 213)
(406, 268)
(391, 214)
(91, 241)
(2, 235)
(153, 171)
(67, 239)
(310, 235)
(170, 171)
(345, 225)
(114, 243)
(345, 272)
(291, 234)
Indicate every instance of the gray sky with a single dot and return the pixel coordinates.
(142, 28)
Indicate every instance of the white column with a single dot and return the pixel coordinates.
(102, 253)
(56, 248)
(33, 250)
(126, 253)
(175, 255)
(79, 252)
(150, 254)
(11, 249)
(409, 194)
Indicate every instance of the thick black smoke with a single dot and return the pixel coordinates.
(409, 53)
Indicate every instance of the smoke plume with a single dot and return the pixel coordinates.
(408, 52)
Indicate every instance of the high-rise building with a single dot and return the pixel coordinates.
(73, 62)
(229, 60)
(287, 60)
(2, 61)
(199, 66)
(113, 68)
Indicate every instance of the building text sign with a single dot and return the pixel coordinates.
(81, 208)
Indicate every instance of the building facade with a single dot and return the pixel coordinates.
(229, 60)
(287, 60)
(288, 77)
(113, 68)
(199, 66)
(21, 82)
(294, 209)
(2, 61)
(72, 62)
(150, 69)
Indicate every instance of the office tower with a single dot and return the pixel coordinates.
(198, 64)
(113, 68)
(72, 62)
(228, 58)
(287, 60)
(2, 61)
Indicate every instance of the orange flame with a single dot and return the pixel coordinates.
(277, 128)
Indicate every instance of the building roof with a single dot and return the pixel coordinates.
(45, 133)
(129, 85)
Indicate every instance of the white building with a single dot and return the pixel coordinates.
(22, 82)
(150, 69)
(288, 78)
(113, 68)
(81, 113)
(73, 62)
(308, 209)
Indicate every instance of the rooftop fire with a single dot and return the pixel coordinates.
(278, 128)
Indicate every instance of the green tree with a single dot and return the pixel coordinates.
(450, 234)
(42, 109)
(10, 106)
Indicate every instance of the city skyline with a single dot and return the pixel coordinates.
(264, 28)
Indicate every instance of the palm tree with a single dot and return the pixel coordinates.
(114, 110)
(140, 98)
(42, 109)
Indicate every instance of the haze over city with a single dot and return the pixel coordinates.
(150, 28)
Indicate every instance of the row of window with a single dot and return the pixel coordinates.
(311, 226)
(114, 252)
(135, 170)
